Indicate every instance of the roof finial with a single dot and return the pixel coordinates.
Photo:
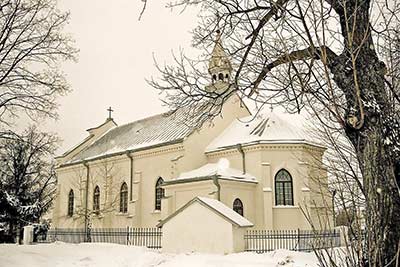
(110, 110)
(218, 36)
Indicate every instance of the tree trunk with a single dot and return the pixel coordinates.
(382, 212)
(371, 127)
(371, 124)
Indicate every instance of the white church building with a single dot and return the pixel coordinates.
(267, 169)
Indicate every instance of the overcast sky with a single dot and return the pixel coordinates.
(116, 55)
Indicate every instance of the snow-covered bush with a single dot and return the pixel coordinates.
(27, 178)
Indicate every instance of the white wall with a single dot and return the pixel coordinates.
(264, 161)
(199, 229)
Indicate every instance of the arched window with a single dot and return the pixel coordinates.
(159, 194)
(220, 76)
(283, 188)
(70, 203)
(238, 206)
(123, 198)
(96, 199)
(214, 77)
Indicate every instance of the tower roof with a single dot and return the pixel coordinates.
(268, 128)
(219, 60)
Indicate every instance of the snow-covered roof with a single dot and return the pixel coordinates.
(215, 169)
(271, 127)
(156, 130)
(217, 207)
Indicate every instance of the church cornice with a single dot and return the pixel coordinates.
(264, 146)
(176, 145)
(206, 178)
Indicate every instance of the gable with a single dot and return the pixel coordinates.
(216, 207)
(94, 134)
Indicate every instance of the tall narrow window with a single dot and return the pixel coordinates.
(123, 198)
(159, 193)
(238, 206)
(96, 200)
(70, 203)
(283, 188)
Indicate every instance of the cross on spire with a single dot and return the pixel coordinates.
(110, 110)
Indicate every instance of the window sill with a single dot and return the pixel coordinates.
(156, 212)
(98, 216)
(285, 207)
(122, 214)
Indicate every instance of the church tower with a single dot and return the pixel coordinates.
(219, 67)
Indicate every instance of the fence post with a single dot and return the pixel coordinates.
(127, 235)
(298, 239)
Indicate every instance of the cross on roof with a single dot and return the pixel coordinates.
(110, 110)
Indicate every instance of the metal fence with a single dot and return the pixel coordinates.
(147, 237)
(300, 240)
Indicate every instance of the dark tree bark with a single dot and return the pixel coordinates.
(368, 127)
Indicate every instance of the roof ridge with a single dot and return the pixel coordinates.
(143, 119)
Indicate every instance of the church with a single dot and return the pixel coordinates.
(266, 168)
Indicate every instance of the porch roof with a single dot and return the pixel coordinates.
(210, 171)
(216, 206)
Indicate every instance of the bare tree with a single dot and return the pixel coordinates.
(27, 178)
(332, 57)
(32, 46)
(91, 206)
(348, 201)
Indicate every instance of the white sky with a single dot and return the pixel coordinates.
(116, 55)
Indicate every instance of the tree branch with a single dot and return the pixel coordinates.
(303, 54)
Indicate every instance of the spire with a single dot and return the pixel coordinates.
(219, 66)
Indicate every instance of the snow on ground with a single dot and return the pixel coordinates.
(112, 255)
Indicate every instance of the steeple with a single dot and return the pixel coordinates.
(219, 67)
